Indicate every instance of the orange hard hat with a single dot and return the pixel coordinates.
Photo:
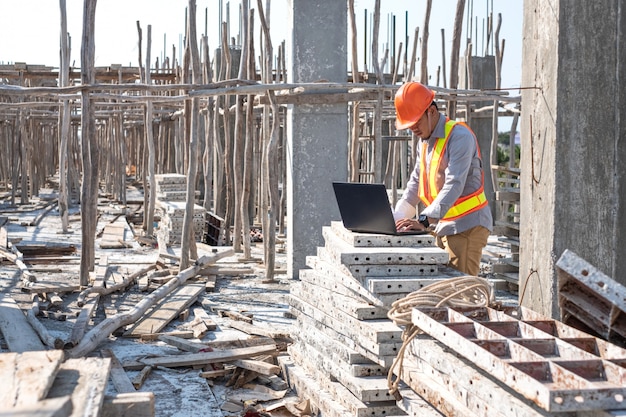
(411, 101)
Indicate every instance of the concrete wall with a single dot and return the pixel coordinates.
(573, 152)
(317, 148)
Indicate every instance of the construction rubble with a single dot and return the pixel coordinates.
(148, 339)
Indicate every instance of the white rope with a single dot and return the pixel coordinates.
(465, 291)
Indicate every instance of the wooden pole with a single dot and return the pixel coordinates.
(424, 68)
(270, 176)
(410, 74)
(443, 58)
(188, 235)
(454, 55)
(240, 233)
(64, 120)
(89, 189)
(149, 138)
(355, 131)
(248, 151)
(375, 29)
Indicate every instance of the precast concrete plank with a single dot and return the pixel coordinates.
(346, 254)
(364, 240)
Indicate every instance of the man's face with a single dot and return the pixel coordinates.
(423, 128)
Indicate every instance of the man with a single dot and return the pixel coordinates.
(448, 179)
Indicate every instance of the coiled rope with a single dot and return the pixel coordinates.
(465, 291)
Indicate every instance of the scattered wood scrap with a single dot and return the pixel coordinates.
(18, 333)
(102, 331)
(201, 358)
(166, 310)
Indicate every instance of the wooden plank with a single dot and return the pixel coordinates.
(54, 407)
(166, 310)
(85, 380)
(141, 377)
(260, 367)
(257, 330)
(120, 379)
(201, 358)
(28, 376)
(18, 333)
(81, 323)
(136, 404)
(201, 314)
(183, 344)
(183, 334)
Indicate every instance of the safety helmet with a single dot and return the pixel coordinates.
(411, 101)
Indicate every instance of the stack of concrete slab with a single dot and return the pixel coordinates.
(344, 342)
(172, 218)
(171, 187)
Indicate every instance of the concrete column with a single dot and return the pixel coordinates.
(483, 76)
(317, 139)
(573, 126)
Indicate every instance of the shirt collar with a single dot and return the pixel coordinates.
(440, 130)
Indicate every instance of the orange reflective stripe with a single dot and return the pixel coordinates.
(428, 189)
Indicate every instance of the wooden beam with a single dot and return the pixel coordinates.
(202, 358)
(18, 333)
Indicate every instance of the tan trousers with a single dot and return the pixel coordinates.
(465, 249)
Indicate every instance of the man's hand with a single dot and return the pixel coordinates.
(408, 224)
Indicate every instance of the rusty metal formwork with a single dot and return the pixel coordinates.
(557, 367)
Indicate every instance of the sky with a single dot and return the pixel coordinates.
(29, 29)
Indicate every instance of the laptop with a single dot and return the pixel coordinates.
(365, 208)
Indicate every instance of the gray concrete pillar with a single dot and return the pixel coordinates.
(317, 139)
(483, 76)
(573, 125)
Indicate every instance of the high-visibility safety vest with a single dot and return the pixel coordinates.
(429, 186)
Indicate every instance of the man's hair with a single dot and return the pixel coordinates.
(434, 104)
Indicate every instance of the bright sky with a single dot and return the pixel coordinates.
(29, 29)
